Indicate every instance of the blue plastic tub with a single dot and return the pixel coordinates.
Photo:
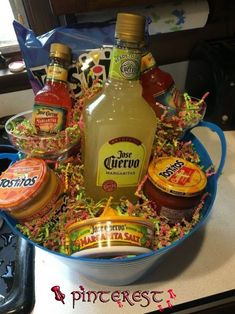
(124, 271)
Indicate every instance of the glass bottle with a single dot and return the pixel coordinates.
(53, 104)
(158, 86)
(119, 123)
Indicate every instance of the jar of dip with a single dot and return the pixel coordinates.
(176, 186)
(110, 235)
(29, 189)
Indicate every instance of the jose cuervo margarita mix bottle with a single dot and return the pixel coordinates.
(119, 124)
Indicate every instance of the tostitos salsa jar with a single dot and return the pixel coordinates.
(110, 236)
(29, 189)
(176, 186)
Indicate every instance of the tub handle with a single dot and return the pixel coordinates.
(11, 156)
(215, 128)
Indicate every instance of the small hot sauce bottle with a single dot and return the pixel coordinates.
(158, 86)
(53, 103)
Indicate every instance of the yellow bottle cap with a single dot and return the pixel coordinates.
(130, 27)
(177, 176)
(58, 50)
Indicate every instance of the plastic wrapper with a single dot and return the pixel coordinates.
(91, 45)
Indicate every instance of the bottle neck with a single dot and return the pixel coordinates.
(127, 44)
(125, 61)
(57, 70)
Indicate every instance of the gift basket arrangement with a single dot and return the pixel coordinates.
(110, 177)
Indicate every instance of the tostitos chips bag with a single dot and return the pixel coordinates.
(91, 45)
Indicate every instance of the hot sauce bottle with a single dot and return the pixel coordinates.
(119, 124)
(158, 86)
(53, 104)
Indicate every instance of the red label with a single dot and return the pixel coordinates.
(182, 176)
(125, 139)
(109, 186)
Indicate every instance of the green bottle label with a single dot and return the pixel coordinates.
(125, 64)
(48, 118)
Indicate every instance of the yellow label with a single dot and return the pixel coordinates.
(177, 176)
(110, 234)
(120, 163)
(147, 62)
(57, 73)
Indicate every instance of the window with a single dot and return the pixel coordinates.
(39, 18)
(10, 10)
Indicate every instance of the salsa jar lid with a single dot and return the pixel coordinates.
(43, 202)
(20, 182)
(177, 176)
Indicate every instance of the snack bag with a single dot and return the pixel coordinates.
(91, 45)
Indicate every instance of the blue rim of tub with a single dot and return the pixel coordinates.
(207, 208)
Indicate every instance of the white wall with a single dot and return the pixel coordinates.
(12, 103)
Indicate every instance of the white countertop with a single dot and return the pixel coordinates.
(202, 266)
